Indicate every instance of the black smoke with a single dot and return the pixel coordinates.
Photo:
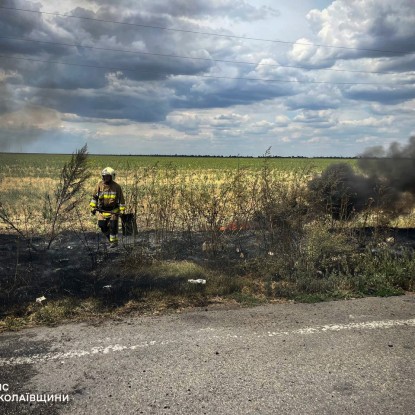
(342, 192)
(396, 166)
(386, 182)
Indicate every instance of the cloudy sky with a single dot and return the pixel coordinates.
(217, 77)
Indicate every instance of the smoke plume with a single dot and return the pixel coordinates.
(19, 129)
(387, 182)
(396, 166)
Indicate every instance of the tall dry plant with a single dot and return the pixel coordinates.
(68, 193)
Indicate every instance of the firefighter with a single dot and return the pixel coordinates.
(109, 201)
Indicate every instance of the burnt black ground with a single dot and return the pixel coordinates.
(28, 270)
(80, 265)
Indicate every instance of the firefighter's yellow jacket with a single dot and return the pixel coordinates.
(108, 197)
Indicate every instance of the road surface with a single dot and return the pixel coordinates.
(343, 357)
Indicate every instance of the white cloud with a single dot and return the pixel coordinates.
(315, 140)
(322, 117)
(371, 24)
(366, 139)
(281, 120)
(150, 102)
(369, 122)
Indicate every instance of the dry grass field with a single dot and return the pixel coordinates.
(161, 191)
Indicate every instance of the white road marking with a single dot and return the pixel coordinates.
(39, 358)
(338, 327)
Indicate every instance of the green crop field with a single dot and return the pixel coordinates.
(49, 165)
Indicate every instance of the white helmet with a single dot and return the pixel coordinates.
(108, 171)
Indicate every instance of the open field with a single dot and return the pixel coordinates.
(157, 189)
(250, 227)
(47, 165)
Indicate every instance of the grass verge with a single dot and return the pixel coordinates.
(155, 287)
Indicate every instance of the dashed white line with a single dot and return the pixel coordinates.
(39, 358)
(351, 326)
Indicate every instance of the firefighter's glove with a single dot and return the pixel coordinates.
(93, 211)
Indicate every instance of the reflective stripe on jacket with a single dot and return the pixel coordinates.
(108, 197)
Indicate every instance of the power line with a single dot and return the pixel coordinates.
(199, 76)
(190, 57)
(204, 33)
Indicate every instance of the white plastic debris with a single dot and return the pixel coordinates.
(69, 247)
(107, 287)
(40, 299)
(199, 281)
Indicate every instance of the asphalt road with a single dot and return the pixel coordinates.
(345, 357)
